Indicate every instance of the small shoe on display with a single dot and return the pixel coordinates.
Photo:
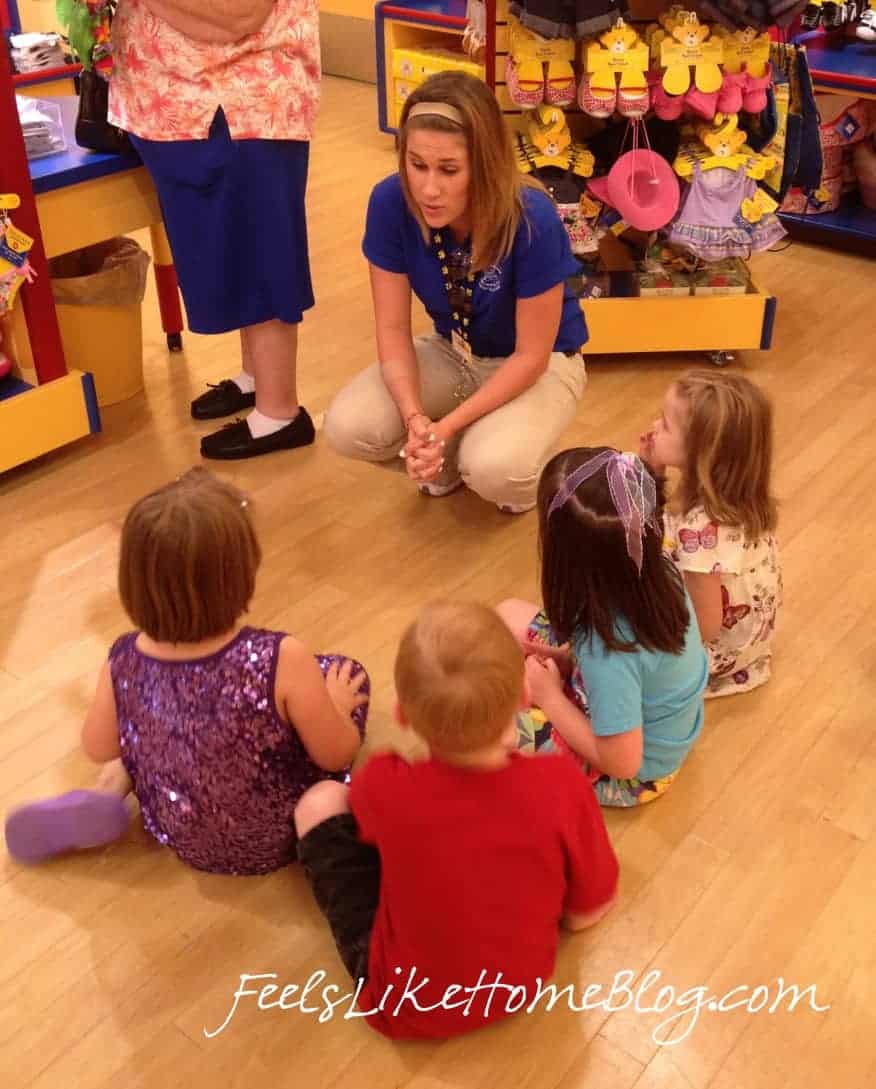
(525, 82)
(702, 103)
(731, 93)
(235, 440)
(754, 97)
(559, 84)
(866, 28)
(221, 399)
(667, 107)
(633, 101)
(596, 105)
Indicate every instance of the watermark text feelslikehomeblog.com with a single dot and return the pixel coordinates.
(324, 1001)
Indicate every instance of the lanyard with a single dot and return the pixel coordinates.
(460, 318)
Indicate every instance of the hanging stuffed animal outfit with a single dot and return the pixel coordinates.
(724, 213)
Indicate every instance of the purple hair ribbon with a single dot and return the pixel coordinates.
(633, 493)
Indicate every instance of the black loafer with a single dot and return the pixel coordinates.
(221, 400)
(235, 440)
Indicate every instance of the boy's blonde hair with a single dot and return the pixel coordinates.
(496, 184)
(729, 448)
(188, 560)
(459, 676)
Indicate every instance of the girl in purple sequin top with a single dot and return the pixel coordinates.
(195, 713)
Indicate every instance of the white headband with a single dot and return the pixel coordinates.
(436, 109)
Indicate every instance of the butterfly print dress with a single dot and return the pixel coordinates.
(751, 592)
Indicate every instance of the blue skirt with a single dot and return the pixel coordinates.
(234, 213)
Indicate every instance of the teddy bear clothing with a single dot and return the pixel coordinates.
(751, 592)
(568, 18)
(710, 223)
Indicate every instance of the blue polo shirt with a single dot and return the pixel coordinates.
(540, 258)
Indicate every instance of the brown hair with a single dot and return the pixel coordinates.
(588, 581)
(189, 558)
(459, 676)
(729, 451)
(496, 185)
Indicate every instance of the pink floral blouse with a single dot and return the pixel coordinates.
(166, 86)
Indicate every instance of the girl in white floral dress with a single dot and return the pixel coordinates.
(716, 428)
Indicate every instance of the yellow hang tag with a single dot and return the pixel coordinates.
(688, 45)
(17, 240)
(745, 47)
(621, 50)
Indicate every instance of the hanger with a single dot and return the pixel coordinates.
(548, 142)
(722, 144)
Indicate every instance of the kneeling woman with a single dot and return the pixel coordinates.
(483, 399)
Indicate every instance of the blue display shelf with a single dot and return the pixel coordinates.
(840, 64)
(851, 227)
(76, 164)
(12, 387)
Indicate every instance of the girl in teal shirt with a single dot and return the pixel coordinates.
(615, 662)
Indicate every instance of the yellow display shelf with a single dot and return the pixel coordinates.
(689, 323)
(42, 418)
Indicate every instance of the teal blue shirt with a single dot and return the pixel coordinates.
(662, 693)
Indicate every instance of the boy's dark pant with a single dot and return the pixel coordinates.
(344, 874)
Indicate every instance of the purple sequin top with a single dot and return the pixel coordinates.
(215, 769)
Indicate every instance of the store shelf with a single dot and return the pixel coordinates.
(12, 387)
(76, 164)
(62, 73)
(443, 12)
(841, 65)
(416, 23)
(689, 323)
(37, 419)
(851, 227)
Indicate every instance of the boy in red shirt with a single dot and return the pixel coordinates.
(445, 881)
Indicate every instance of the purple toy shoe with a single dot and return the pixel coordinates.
(77, 820)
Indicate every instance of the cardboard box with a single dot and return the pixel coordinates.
(665, 283)
(728, 277)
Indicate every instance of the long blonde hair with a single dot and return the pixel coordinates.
(729, 452)
(496, 185)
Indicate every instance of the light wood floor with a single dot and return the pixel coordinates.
(760, 863)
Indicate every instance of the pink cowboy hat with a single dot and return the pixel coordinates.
(642, 186)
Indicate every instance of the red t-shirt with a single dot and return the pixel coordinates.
(478, 867)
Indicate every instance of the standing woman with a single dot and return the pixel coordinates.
(483, 399)
(220, 101)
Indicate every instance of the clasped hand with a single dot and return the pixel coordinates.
(424, 450)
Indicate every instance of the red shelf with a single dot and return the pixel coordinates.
(46, 75)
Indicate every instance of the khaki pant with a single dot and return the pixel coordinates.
(500, 456)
